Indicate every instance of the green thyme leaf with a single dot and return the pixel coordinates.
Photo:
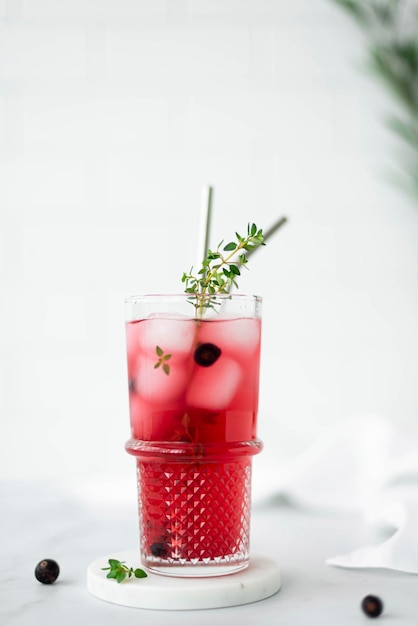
(120, 576)
(162, 360)
(119, 571)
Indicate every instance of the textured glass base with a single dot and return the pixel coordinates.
(194, 517)
(194, 507)
(197, 570)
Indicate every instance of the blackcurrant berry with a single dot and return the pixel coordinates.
(372, 606)
(206, 354)
(47, 571)
(158, 549)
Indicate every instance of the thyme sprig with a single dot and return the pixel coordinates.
(119, 571)
(220, 269)
(218, 274)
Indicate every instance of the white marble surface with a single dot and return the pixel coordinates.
(41, 520)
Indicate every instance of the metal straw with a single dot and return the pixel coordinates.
(204, 224)
(269, 232)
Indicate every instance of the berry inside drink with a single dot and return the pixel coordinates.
(193, 393)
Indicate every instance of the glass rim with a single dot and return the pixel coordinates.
(149, 297)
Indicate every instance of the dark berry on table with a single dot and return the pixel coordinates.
(47, 571)
(372, 606)
(158, 549)
(206, 354)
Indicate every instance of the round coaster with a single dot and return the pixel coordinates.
(260, 580)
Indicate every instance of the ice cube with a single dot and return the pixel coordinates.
(133, 340)
(138, 411)
(214, 387)
(175, 335)
(235, 337)
(153, 423)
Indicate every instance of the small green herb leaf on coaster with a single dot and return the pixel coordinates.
(119, 571)
(120, 576)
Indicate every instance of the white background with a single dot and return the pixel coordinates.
(113, 114)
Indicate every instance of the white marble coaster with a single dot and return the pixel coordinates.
(260, 580)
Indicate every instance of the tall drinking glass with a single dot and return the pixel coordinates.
(193, 393)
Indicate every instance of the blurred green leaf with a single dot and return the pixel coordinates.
(391, 28)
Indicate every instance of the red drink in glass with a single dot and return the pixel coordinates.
(193, 390)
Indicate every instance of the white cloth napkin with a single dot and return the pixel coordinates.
(365, 465)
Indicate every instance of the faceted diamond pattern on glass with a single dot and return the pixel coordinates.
(194, 513)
